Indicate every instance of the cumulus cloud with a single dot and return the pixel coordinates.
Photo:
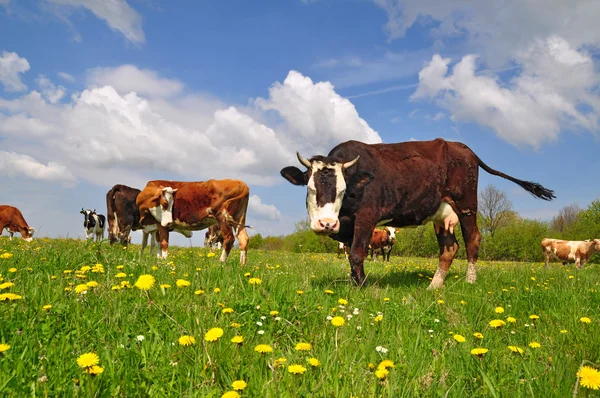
(117, 14)
(554, 91)
(260, 210)
(11, 66)
(14, 165)
(127, 78)
(50, 91)
(105, 133)
(66, 77)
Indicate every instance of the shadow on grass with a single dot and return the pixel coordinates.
(390, 279)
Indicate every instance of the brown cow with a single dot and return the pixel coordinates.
(383, 239)
(358, 186)
(213, 237)
(12, 220)
(569, 251)
(344, 248)
(192, 206)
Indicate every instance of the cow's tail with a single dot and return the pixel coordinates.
(111, 215)
(533, 188)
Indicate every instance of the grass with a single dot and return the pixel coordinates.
(415, 329)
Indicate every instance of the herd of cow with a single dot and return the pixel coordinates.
(353, 190)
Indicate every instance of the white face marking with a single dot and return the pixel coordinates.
(340, 245)
(392, 232)
(330, 211)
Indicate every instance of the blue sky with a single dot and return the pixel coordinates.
(94, 93)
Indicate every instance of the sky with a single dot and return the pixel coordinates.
(99, 92)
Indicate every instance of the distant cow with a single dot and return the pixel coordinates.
(213, 237)
(344, 248)
(123, 216)
(93, 224)
(383, 240)
(192, 206)
(358, 186)
(12, 220)
(570, 251)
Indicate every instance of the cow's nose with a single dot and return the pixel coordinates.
(328, 224)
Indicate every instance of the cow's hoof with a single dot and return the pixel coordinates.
(435, 285)
(471, 278)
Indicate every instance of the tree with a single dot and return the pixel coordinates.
(495, 207)
(567, 216)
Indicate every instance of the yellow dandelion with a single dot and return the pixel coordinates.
(213, 334)
(254, 281)
(116, 287)
(95, 370)
(121, 275)
(564, 331)
(534, 344)
(6, 255)
(516, 349)
(182, 283)
(479, 351)
(459, 338)
(81, 288)
(382, 373)
(386, 299)
(120, 266)
(235, 324)
(589, 377)
(314, 362)
(497, 323)
(186, 340)
(47, 307)
(227, 310)
(165, 286)
(88, 360)
(462, 302)
(274, 313)
(263, 348)
(533, 317)
(239, 385)
(92, 284)
(211, 254)
(6, 285)
(342, 301)
(299, 292)
(378, 318)
(216, 290)
(12, 270)
(237, 339)
(279, 362)
(145, 282)
(199, 292)
(328, 291)
(296, 369)
(441, 302)
(228, 394)
(247, 274)
(4, 347)
(386, 364)
(585, 319)
(303, 347)
(499, 310)
(510, 319)
(338, 321)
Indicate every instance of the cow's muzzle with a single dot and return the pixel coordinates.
(327, 225)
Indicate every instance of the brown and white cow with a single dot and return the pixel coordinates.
(358, 186)
(123, 216)
(213, 238)
(570, 251)
(192, 206)
(12, 220)
(342, 248)
(383, 239)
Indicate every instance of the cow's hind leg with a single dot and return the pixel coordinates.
(472, 238)
(448, 248)
(228, 238)
(243, 240)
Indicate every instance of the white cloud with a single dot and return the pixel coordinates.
(555, 84)
(105, 134)
(117, 14)
(11, 66)
(14, 165)
(260, 210)
(127, 78)
(50, 91)
(66, 77)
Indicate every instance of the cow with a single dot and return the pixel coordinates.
(383, 240)
(570, 251)
(344, 248)
(213, 238)
(93, 224)
(193, 206)
(123, 216)
(12, 220)
(358, 186)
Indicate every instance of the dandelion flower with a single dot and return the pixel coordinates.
(145, 282)
(216, 290)
(6, 255)
(228, 394)
(213, 334)
(516, 349)
(459, 338)
(263, 348)
(165, 286)
(239, 385)
(211, 254)
(342, 301)
(497, 323)
(186, 340)
(237, 339)
(386, 299)
(564, 331)
(328, 291)
(299, 292)
(338, 321)
(378, 318)
(92, 284)
(385, 364)
(381, 373)
(296, 369)
(533, 317)
(81, 288)
(279, 362)
(303, 347)
(235, 324)
(182, 283)
(4, 347)
(88, 360)
(47, 307)
(274, 313)
(121, 275)
(314, 362)
(534, 344)
(6, 285)
(95, 370)
(254, 281)
(247, 274)
(12, 270)
(199, 292)
(499, 310)
(590, 377)
(479, 351)
(510, 319)
(227, 310)
(441, 302)
(585, 319)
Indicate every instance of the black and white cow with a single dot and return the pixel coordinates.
(93, 224)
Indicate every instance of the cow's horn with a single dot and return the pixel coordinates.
(351, 163)
(303, 161)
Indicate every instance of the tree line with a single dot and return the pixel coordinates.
(505, 235)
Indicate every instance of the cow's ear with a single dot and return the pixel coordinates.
(361, 179)
(294, 175)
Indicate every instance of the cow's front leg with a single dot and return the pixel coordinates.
(163, 234)
(448, 248)
(358, 253)
(578, 263)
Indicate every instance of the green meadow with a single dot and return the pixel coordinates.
(398, 339)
